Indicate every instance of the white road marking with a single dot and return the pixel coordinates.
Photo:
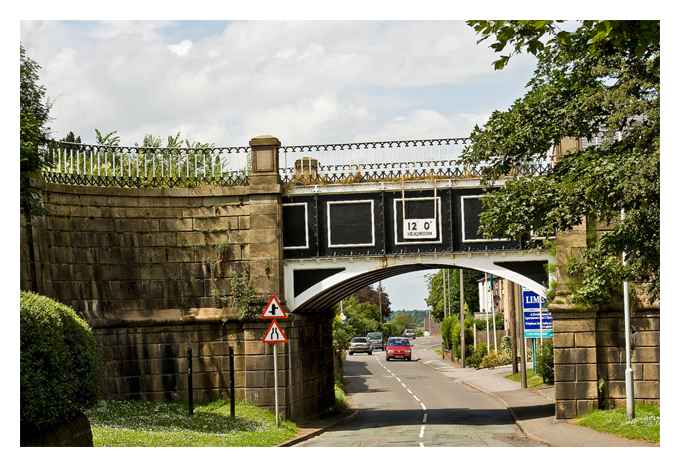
(422, 406)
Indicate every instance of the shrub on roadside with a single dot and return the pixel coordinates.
(475, 359)
(58, 363)
(455, 337)
(546, 363)
(447, 323)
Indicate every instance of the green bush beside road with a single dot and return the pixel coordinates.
(58, 363)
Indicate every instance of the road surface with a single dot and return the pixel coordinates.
(413, 404)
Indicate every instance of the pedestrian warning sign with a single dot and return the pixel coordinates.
(274, 334)
(273, 309)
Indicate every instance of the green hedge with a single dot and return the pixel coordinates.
(58, 363)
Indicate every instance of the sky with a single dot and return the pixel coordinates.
(303, 82)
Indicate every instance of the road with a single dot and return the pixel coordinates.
(412, 404)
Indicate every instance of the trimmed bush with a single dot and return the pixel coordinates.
(58, 363)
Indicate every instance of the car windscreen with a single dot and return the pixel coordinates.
(398, 342)
(361, 340)
(374, 335)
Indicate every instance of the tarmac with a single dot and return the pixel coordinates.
(532, 409)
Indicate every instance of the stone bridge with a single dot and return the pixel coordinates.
(164, 250)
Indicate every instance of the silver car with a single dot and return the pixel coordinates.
(376, 338)
(360, 345)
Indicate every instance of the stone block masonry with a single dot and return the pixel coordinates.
(590, 359)
(152, 271)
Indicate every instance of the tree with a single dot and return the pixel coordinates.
(361, 317)
(71, 138)
(436, 295)
(34, 114)
(371, 295)
(602, 78)
(400, 323)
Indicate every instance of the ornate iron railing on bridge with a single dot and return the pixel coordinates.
(379, 161)
(136, 166)
(376, 161)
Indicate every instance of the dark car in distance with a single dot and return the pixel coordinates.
(360, 345)
(398, 347)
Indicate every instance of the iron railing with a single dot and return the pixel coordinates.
(376, 161)
(379, 161)
(136, 166)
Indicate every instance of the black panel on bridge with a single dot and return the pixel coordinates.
(351, 224)
(295, 226)
(306, 278)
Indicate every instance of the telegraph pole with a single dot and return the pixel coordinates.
(380, 306)
(510, 304)
(522, 348)
(461, 295)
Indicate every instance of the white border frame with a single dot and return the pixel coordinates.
(438, 214)
(306, 247)
(328, 223)
(462, 224)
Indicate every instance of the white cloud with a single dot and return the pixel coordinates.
(301, 81)
(181, 48)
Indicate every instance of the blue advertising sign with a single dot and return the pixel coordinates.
(532, 299)
(537, 319)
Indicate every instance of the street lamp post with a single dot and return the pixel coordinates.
(630, 401)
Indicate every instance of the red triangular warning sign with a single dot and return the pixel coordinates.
(273, 309)
(274, 334)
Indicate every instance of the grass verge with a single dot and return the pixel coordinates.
(644, 426)
(144, 423)
(533, 380)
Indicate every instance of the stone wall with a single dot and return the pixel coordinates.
(124, 255)
(152, 271)
(590, 360)
(150, 363)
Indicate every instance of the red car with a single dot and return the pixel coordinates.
(398, 347)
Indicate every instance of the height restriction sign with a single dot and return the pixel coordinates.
(273, 309)
(420, 228)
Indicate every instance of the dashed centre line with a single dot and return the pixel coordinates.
(422, 406)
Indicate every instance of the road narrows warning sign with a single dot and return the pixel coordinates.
(274, 334)
(273, 309)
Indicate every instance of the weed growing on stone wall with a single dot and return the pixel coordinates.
(243, 295)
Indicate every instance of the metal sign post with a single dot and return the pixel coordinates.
(273, 336)
(276, 387)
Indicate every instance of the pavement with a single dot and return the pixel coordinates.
(431, 402)
(532, 409)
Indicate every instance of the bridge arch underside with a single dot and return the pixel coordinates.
(313, 285)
